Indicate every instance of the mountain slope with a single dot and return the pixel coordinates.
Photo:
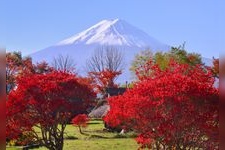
(117, 33)
(114, 32)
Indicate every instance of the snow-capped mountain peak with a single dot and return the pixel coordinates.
(116, 32)
(112, 32)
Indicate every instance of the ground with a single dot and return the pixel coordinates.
(94, 138)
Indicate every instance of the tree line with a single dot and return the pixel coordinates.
(173, 103)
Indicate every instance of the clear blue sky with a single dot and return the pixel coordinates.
(31, 25)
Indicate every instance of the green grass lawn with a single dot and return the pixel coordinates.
(94, 138)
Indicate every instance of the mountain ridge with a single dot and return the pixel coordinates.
(115, 32)
(127, 38)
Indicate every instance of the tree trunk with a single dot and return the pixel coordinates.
(157, 145)
(57, 145)
(80, 130)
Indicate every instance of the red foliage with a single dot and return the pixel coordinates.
(215, 67)
(104, 79)
(174, 108)
(46, 100)
(17, 118)
(80, 120)
(17, 66)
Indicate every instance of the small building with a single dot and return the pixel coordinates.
(102, 107)
(115, 91)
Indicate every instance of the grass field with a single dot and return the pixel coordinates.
(94, 138)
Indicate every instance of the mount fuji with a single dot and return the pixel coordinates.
(117, 33)
(114, 32)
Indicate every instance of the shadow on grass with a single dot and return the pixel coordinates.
(94, 131)
(71, 138)
(117, 136)
(89, 123)
(86, 134)
(96, 119)
(129, 135)
(98, 137)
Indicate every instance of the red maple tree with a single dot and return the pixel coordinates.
(104, 79)
(46, 101)
(80, 121)
(175, 108)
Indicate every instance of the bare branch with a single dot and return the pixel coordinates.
(63, 63)
(106, 57)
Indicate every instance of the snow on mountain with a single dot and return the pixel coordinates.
(117, 33)
(114, 32)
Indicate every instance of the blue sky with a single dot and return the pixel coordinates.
(31, 25)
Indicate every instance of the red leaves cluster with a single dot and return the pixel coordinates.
(104, 79)
(17, 117)
(45, 99)
(80, 120)
(174, 108)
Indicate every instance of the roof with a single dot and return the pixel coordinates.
(115, 91)
(99, 112)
